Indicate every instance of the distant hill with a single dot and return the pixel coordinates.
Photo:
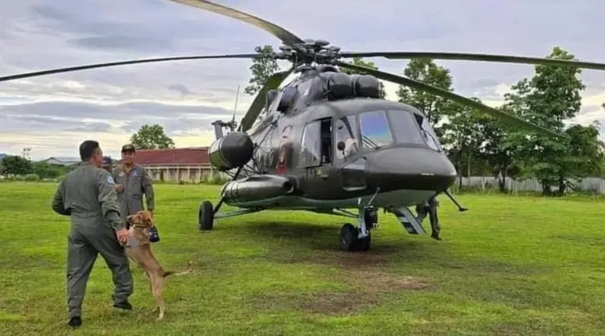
(2, 156)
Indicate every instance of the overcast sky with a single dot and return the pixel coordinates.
(53, 114)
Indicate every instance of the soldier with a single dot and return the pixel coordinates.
(430, 208)
(132, 182)
(107, 164)
(87, 195)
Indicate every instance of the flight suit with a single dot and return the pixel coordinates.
(430, 209)
(136, 183)
(87, 196)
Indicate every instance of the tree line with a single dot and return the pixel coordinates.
(478, 144)
(147, 137)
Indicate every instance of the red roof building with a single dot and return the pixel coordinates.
(194, 157)
(178, 164)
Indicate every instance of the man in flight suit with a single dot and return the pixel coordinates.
(133, 182)
(87, 195)
(430, 208)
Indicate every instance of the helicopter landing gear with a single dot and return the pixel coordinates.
(359, 239)
(205, 216)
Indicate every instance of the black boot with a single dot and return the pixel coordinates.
(75, 322)
(435, 236)
(123, 305)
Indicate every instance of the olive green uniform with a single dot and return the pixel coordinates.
(136, 183)
(87, 195)
(429, 208)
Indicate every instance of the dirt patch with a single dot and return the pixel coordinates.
(366, 288)
(338, 303)
(374, 281)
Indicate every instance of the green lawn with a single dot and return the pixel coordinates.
(509, 266)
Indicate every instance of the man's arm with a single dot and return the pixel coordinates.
(57, 204)
(117, 187)
(148, 190)
(109, 200)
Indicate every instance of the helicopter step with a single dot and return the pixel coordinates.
(407, 219)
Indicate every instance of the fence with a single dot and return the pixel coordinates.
(590, 184)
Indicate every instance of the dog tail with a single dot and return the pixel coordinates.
(189, 270)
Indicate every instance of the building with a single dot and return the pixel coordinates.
(178, 164)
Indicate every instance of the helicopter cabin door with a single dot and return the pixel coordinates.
(316, 152)
(351, 174)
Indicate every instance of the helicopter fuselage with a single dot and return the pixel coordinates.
(331, 154)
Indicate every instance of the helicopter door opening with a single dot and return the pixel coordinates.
(346, 143)
(326, 141)
(317, 143)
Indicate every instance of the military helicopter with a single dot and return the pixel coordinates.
(326, 142)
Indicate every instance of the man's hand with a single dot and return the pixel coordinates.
(122, 235)
(119, 187)
(150, 212)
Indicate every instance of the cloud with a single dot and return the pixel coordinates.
(53, 114)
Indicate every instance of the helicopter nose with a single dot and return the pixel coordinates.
(410, 168)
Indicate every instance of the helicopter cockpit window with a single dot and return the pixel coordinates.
(375, 131)
(311, 144)
(405, 126)
(429, 134)
(345, 130)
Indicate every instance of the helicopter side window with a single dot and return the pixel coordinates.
(429, 133)
(405, 127)
(310, 153)
(375, 131)
(345, 131)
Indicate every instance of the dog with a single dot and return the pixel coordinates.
(138, 249)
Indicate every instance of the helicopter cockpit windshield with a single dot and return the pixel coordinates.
(382, 128)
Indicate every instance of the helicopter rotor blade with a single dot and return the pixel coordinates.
(111, 64)
(273, 82)
(477, 57)
(503, 116)
(285, 36)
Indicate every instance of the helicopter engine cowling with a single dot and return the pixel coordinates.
(338, 85)
(233, 150)
(365, 86)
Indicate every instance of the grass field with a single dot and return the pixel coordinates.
(509, 266)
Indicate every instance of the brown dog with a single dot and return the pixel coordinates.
(139, 250)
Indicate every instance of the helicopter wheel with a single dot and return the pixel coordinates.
(364, 243)
(349, 241)
(206, 216)
(348, 238)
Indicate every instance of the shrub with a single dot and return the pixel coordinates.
(32, 177)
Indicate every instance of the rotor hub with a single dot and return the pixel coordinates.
(308, 52)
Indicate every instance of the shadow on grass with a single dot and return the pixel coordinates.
(299, 242)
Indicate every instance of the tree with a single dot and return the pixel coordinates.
(45, 170)
(16, 165)
(463, 134)
(261, 69)
(426, 71)
(360, 62)
(496, 151)
(151, 137)
(548, 99)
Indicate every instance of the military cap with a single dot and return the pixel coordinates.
(128, 148)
